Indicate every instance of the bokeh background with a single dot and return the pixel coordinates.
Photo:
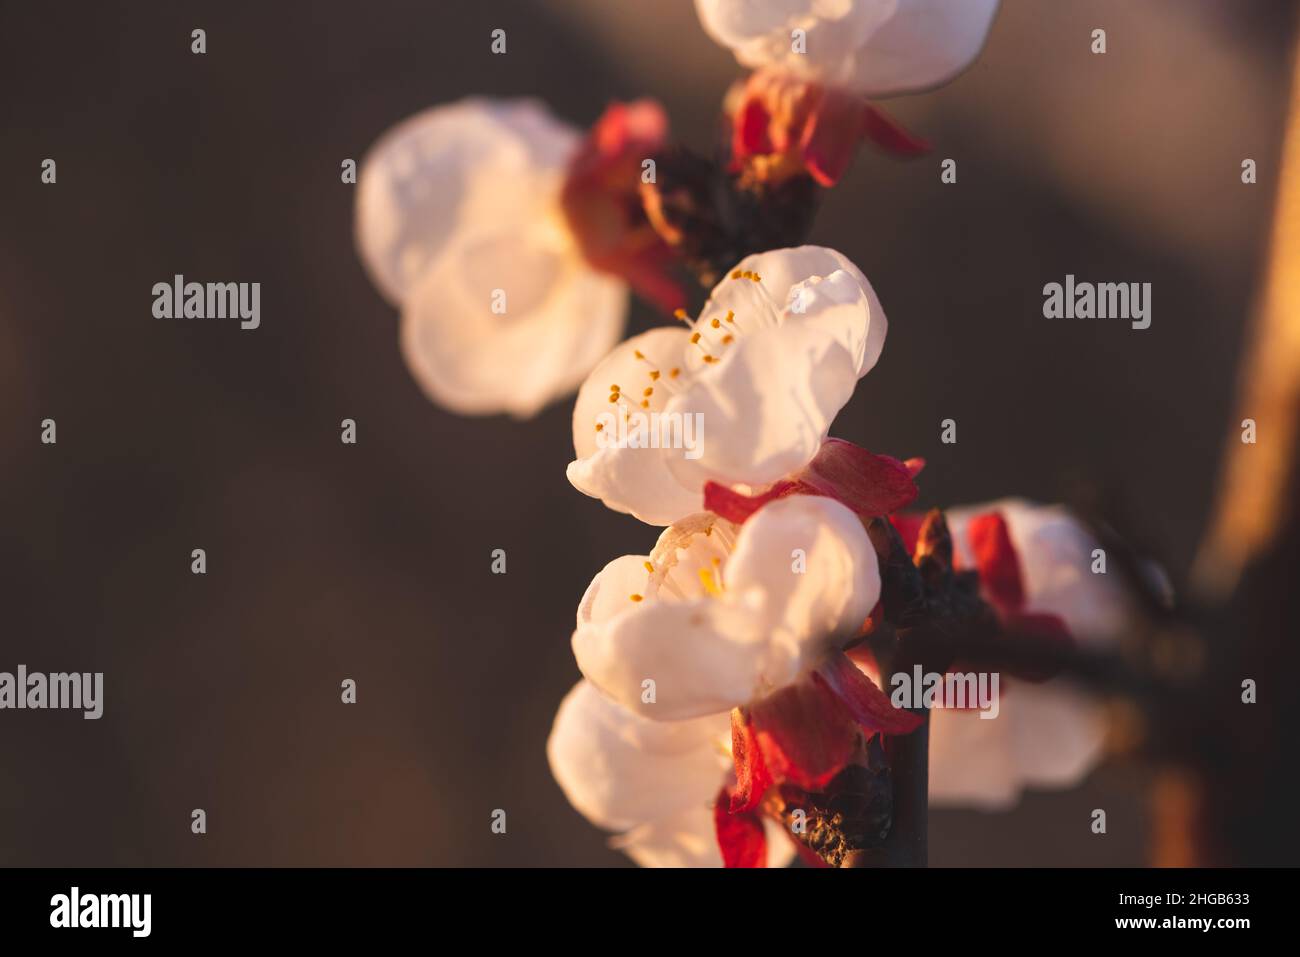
(372, 562)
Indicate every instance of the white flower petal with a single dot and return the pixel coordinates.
(560, 318)
(627, 479)
(924, 44)
(620, 770)
(759, 32)
(872, 47)
(808, 562)
(704, 656)
(476, 160)
(766, 406)
(1045, 736)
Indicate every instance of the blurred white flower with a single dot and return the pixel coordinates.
(459, 223)
(1049, 734)
(655, 783)
(773, 357)
(870, 47)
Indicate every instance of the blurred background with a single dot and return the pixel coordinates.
(372, 561)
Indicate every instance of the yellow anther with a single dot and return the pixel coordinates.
(680, 314)
(600, 426)
(709, 358)
(648, 392)
(736, 274)
(728, 340)
(654, 375)
(614, 387)
(731, 316)
(695, 337)
(715, 323)
(645, 403)
(710, 586)
(613, 397)
(754, 276)
(638, 353)
(636, 597)
(674, 373)
(650, 568)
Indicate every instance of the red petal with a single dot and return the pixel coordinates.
(749, 131)
(886, 132)
(740, 836)
(831, 137)
(752, 776)
(736, 506)
(805, 733)
(996, 561)
(869, 484)
(602, 204)
(869, 706)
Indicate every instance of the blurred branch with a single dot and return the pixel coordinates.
(1251, 505)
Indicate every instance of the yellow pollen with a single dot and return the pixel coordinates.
(695, 337)
(638, 353)
(754, 276)
(680, 314)
(710, 586)
(645, 403)
(736, 274)
(635, 597)
(614, 387)
(674, 373)
(728, 340)
(731, 316)
(709, 358)
(600, 426)
(648, 392)
(613, 397)
(654, 374)
(715, 323)
(650, 568)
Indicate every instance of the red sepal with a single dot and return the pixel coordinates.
(869, 484)
(740, 836)
(806, 734)
(752, 775)
(887, 133)
(869, 706)
(996, 561)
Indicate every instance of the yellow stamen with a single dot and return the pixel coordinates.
(636, 597)
(695, 337)
(731, 316)
(728, 340)
(735, 274)
(650, 568)
(674, 373)
(648, 392)
(600, 426)
(654, 374)
(710, 586)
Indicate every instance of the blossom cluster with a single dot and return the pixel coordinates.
(727, 677)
